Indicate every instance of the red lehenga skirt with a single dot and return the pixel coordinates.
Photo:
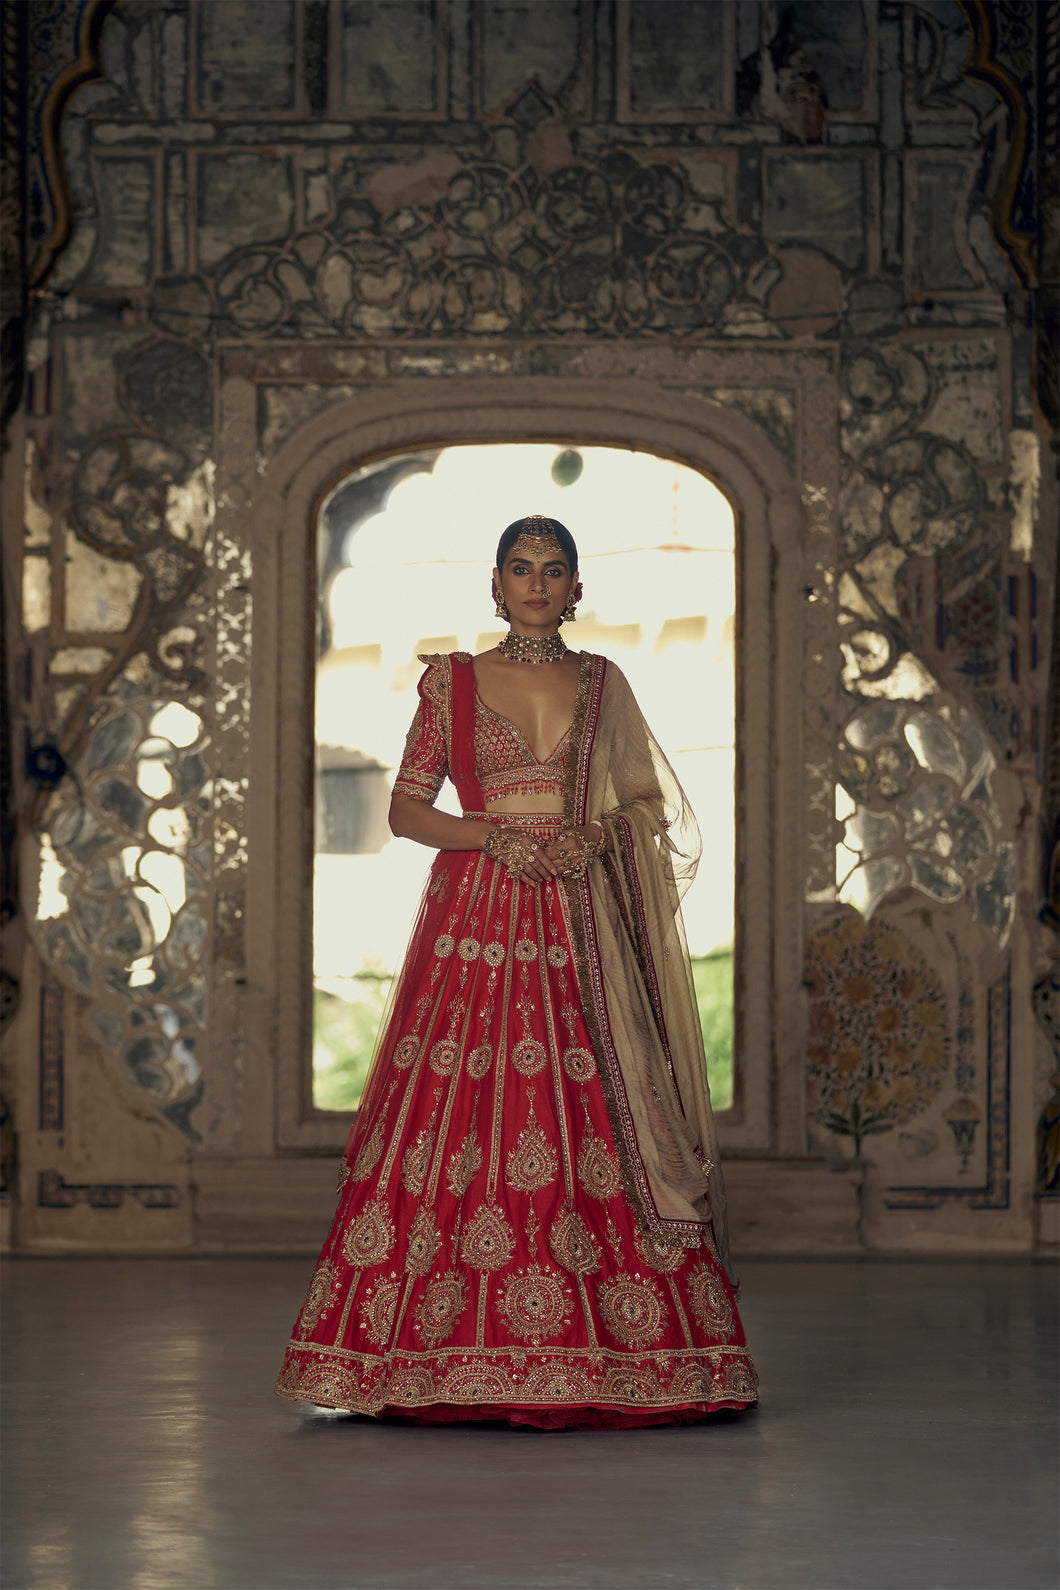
(484, 1261)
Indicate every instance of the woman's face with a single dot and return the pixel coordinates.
(535, 588)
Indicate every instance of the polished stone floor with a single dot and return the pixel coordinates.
(906, 1440)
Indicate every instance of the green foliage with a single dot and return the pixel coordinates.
(344, 1033)
(712, 975)
(344, 1039)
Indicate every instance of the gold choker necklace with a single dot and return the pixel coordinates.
(533, 648)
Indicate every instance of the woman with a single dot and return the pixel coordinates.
(531, 1224)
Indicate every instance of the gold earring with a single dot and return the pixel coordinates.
(569, 616)
(501, 610)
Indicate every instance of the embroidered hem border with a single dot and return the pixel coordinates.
(563, 1377)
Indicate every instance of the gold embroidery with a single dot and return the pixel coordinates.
(477, 1383)
(464, 1166)
(632, 1310)
(598, 1169)
(573, 1244)
(424, 1242)
(412, 1385)
(444, 945)
(559, 1384)
(443, 1056)
(468, 949)
(658, 1255)
(741, 1382)
(479, 1061)
(378, 1308)
(317, 1298)
(371, 1236)
(525, 950)
(557, 956)
(493, 954)
(488, 1241)
(631, 1385)
(406, 1051)
(442, 1304)
(533, 1162)
(369, 1155)
(416, 1161)
(528, 1056)
(579, 1064)
(344, 1173)
(535, 1302)
(710, 1302)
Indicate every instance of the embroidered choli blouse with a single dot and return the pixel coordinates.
(505, 764)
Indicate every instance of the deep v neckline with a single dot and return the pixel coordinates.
(537, 761)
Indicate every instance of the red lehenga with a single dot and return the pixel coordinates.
(530, 1225)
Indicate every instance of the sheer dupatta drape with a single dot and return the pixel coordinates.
(633, 965)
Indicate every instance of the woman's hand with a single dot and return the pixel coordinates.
(572, 852)
(525, 857)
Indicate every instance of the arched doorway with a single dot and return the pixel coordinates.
(404, 546)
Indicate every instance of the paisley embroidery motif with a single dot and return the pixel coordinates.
(598, 1169)
(479, 1061)
(464, 1166)
(344, 1174)
(573, 1244)
(659, 1255)
(424, 1242)
(416, 1161)
(371, 1236)
(442, 1304)
(317, 1297)
(632, 1310)
(488, 1241)
(528, 1056)
(533, 1162)
(710, 1302)
(369, 1155)
(535, 1303)
(378, 1310)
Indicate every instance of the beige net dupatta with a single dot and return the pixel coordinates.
(634, 971)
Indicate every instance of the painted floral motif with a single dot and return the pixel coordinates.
(879, 1029)
(535, 1303)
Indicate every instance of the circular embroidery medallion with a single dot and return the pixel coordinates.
(556, 956)
(406, 1051)
(534, 1303)
(528, 1056)
(632, 1310)
(444, 945)
(479, 1061)
(525, 950)
(493, 954)
(443, 1056)
(710, 1302)
(370, 1237)
(440, 1307)
(579, 1065)
(468, 949)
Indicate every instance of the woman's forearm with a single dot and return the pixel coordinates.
(413, 819)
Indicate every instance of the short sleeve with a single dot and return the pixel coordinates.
(425, 762)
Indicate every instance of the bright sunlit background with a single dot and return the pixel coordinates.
(405, 569)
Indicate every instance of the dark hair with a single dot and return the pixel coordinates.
(516, 529)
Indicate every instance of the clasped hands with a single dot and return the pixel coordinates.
(530, 861)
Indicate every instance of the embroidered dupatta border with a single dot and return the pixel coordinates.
(581, 923)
